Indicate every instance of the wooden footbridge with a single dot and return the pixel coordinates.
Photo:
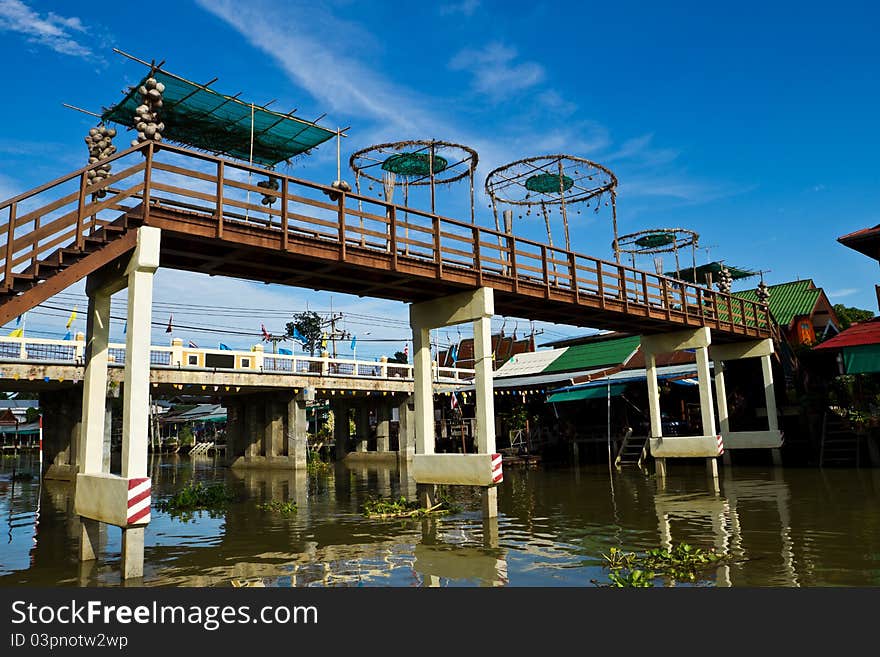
(215, 219)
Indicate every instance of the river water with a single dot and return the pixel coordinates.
(780, 527)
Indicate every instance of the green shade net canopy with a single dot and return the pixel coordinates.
(687, 274)
(589, 392)
(197, 116)
(415, 164)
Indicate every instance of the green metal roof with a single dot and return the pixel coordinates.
(594, 354)
(197, 116)
(788, 300)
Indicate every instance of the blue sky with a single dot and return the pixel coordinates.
(753, 124)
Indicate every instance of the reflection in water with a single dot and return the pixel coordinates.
(796, 527)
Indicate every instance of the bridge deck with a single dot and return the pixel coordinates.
(311, 236)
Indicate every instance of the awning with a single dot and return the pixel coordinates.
(592, 392)
(862, 360)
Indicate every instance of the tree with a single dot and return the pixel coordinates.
(32, 415)
(849, 315)
(306, 326)
(399, 357)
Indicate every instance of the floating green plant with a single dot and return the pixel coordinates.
(403, 508)
(197, 497)
(284, 508)
(316, 466)
(683, 563)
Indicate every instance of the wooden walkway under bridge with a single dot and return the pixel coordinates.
(213, 221)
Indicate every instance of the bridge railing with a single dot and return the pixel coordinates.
(66, 211)
(176, 356)
(359, 225)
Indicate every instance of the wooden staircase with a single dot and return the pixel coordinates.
(59, 233)
(840, 445)
(633, 451)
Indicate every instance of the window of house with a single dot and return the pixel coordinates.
(192, 359)
(245, 362)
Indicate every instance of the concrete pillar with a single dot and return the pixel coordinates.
(653, 397)
(341, 432)
(707, 408)
(273, 436)
(406, 443)
(95, 383)
(383, 427)
(423, 392)
(62, 417)
(136, 405)
(769, 393)
(362, 424)
(252, 431)
(108, 436)
(298, 430)
(234, 421)
(721, 398)
(484, 394)
(176, 352)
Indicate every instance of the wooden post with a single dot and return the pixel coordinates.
(341, 213)
(478, 264)
(645, 294)
(600, 284)
(148, 171)
(10, 245)
(284, 220)
(438, 256)
(545, 271)
(220, 178)
(392, 235)
(665, 286)
(81, 209)
(572, 263)
(511, 245)
(35, 252)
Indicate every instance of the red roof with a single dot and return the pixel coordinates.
(857, 335)
(865, 241)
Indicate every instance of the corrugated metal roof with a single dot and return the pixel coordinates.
(788, 300)
(528, 363)
(595, 354)
(863, 333)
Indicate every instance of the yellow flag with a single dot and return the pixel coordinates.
(324, 341)
(17, 333)
(72, 317)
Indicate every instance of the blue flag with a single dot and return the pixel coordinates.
(298, 336)
(354, 343)
(285, 352)
(67, 336)
(453, 353)
(223, 347)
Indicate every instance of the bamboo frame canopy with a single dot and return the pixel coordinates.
(197, 116)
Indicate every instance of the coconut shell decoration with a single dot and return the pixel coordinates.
(271, 183)
(100, 144)
(146, 115)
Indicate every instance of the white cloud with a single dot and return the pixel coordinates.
(51, 30)
(466, 7)
(843, 292)
(8, 187)
(495, 71)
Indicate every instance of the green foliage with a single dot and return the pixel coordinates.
(683, 563)
(197, 497)
(309, 325)
(185, 436)
(32, 414)
(849, 315)
(315, 465)
(399, 357)
(284, 508)
(633, 579)
(403, 508)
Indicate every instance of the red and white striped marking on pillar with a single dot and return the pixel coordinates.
(720, 442)
(497, 474)
(139, 501)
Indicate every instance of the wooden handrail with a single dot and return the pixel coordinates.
(436, 225)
